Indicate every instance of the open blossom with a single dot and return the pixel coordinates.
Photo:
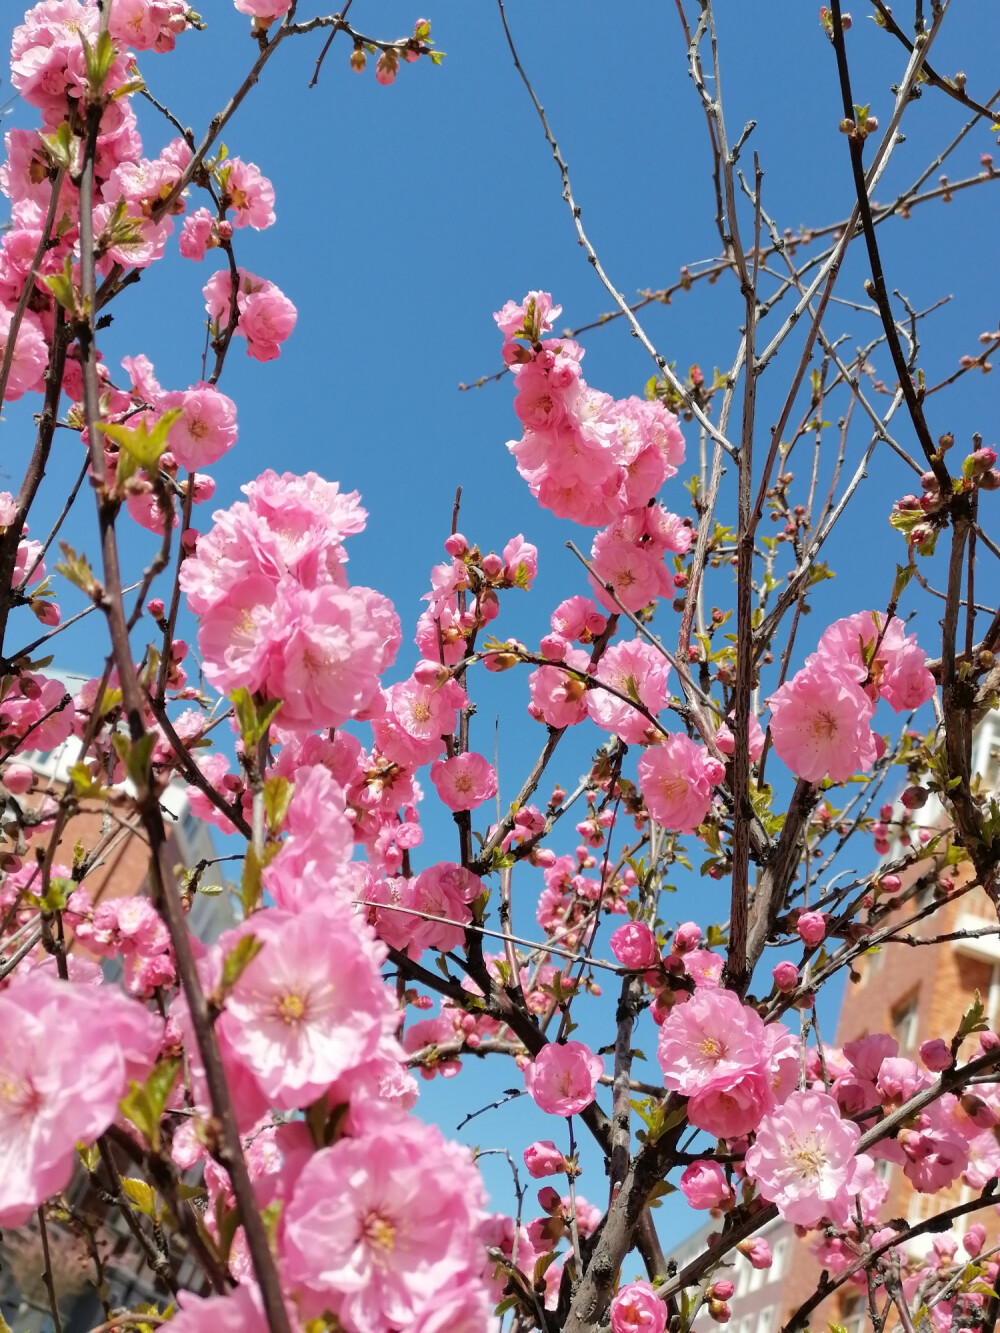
(242, 1311)
(710, 1042)
(562, 1077)
(51, 1099)
(637, 671)
(636, 1308)
(898, 671)
(309, 1007)
(820, 723)
(464, 781)
(206, 427)
(676, 779)
(380, 1225)
(803, 1160)
(265, 314)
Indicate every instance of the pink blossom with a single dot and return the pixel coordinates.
(687, 936)
(636, 573)
(198, 234)
(562, 1077)
(309, 1006)
(241, 1311)
(264, 10)
(811, 927)
(726, 741)
(534, 317)
(148, 25)
(898, 672)
(974, 1239)
(636, 670)
(265, 315)
(757, 1251)
(634, 945)
(728, 1111)
(249, 194)
(379, 1225)
(206, 428)
(710, 1042)
(543, 1159)
(520, 562)
(637, 1306)
(464, 781)
(803, 1159)
(703, 967)
(820, 723)
(786, 976)
(936, 1054)
(50, 1098)
(558, 698)
(675, 779)
(31, 354)
(704, 1185)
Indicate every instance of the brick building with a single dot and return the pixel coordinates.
(121, 871)
(915, 991)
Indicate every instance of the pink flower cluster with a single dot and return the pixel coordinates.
(592, 459)
(821, 718)
(278, 616)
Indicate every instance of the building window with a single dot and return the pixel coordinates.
(743, 1271)
(757, 1278)
(852, 1313)
(765, 1319)
(904, 1024)
(778, 1257)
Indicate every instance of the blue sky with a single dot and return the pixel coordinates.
(407, 215)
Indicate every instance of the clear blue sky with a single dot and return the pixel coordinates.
(407, 215)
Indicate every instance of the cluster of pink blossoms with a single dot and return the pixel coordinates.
(592, 459)
(821, 718)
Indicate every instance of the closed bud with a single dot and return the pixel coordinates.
(358, 60)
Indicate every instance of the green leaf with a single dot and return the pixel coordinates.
(277, 798)
(136, 756)
(98, 60)
(973, 1020)
(237, 960)
(63, 288)
(144, 446)
(141, 1194)
(250, 885)
(253, 720)
(84, 783)
(145, 1103)
(903, 575)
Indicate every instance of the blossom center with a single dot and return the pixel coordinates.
(805, 1157)
(380, 1234)
(291, 1008)
(824, 726)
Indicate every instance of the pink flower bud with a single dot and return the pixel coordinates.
(721, 1291)
(687, 936)
(553, 646)
(973, 1240)
(757, 1251)
(786, 976)
(456, 545)
(634, 945)
(489, 605)
(935, 1054)
(549, 1200)
(988, 1041)
(492, 565)
(720, 1312)
(890, 884)
(156, 608)
(17, 778)
(704, 1185)
(811, 927)
(543, 1159)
